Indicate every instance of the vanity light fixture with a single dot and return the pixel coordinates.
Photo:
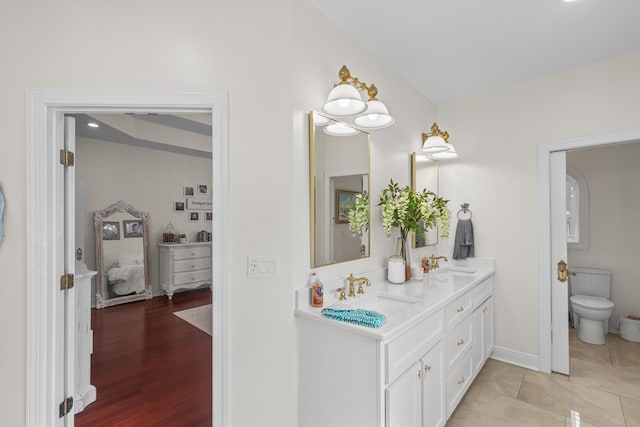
(435, 141)
(436, 145)
(344, 100)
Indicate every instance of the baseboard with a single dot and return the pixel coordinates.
(518, 358)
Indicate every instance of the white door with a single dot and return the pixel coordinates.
(559, 290)
(70, 266)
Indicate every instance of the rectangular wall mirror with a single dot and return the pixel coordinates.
(425, 174)
(338, 171)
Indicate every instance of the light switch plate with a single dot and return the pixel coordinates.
(262, 267)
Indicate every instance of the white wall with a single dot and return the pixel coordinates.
(613, 179)
(277, 60)
(149, 180)
(497, 135)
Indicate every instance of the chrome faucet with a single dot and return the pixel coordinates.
(360, 281)
(433, 264)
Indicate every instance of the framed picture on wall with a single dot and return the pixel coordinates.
(178, 206)
(202, 190)
(344, 200)
(194, 216)
(208, 216)
(188, 190)
(132, 227)
(110, 230)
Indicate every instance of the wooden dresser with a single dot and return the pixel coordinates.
(184, 266)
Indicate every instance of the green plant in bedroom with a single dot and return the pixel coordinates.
(412, 211)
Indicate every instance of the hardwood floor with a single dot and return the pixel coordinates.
(150, 368)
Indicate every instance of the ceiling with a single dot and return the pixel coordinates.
(448, 49)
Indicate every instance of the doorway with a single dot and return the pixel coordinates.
(48, 332)
(557, 354)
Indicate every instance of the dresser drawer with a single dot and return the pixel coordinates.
(457, 383)
(191, 276)
(403, 351)
(481, 292)
(196, 252)
(458, 342)
(192, 264)
(456, 311)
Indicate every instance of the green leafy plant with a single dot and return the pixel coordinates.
(413, 211)
(359, 214)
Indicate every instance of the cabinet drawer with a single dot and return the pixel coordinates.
(196, 252)
(457, 383)
(483, 291)
(458, 342)
(192, 264)
(459, 309)
(191, 276)
(403, 351)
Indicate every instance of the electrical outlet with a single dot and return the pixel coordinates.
(262, 267)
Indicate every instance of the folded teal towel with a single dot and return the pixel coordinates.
(369, 318)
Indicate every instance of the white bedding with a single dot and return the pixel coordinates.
(127, 279)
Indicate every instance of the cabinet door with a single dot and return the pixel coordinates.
(488, 323)
(433, 387)
(403, 399)
(477, 340)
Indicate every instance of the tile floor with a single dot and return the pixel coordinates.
(603, 390)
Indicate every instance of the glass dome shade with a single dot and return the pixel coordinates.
(340, 129)
(446, 155)
(376, 116)
(434, 144)
(344, 100)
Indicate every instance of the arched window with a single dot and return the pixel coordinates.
(577, 212)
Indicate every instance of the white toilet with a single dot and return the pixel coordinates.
(590, 291)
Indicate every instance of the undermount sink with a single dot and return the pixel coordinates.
(383, 303)
(462, 270)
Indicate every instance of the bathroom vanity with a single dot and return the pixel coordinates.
(415, 369)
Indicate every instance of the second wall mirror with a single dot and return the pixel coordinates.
(338, 171)
(425, 174)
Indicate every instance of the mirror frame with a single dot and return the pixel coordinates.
(414, 187)
(101, 285)
(312, 188)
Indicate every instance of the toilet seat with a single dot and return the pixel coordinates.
(592, 303)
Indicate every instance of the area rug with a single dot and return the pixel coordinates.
(200, 317)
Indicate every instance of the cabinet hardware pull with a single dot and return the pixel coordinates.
(461, 380)
(461, 341)
(419, 374)
(461, 308)
(427, 368)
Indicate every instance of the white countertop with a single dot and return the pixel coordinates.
(416, 299)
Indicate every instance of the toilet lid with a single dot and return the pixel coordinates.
(592, 302)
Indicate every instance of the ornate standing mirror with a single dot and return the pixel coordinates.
(338, 172)
(122, 255)
(425, 174)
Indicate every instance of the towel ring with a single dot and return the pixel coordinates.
(464, 210)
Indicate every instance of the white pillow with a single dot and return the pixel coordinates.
(130, 259)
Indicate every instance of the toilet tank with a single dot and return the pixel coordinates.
(594, 282)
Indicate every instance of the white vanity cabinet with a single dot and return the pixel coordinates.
(416, 399)
(411, 372)
(184, 266)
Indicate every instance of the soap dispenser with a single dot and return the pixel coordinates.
(317, 292)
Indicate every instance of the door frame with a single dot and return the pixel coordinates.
(545, 264)
(45, 229)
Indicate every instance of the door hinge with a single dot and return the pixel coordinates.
(66, 282)
(67, 157)
(65, 406)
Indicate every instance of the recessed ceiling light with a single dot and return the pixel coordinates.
(568, 1)
(92, 125)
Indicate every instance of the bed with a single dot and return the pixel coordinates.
(127, 276)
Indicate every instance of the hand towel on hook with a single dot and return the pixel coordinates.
(463, 243)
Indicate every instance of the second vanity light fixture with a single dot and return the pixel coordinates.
(436, 145)
(344, 100)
